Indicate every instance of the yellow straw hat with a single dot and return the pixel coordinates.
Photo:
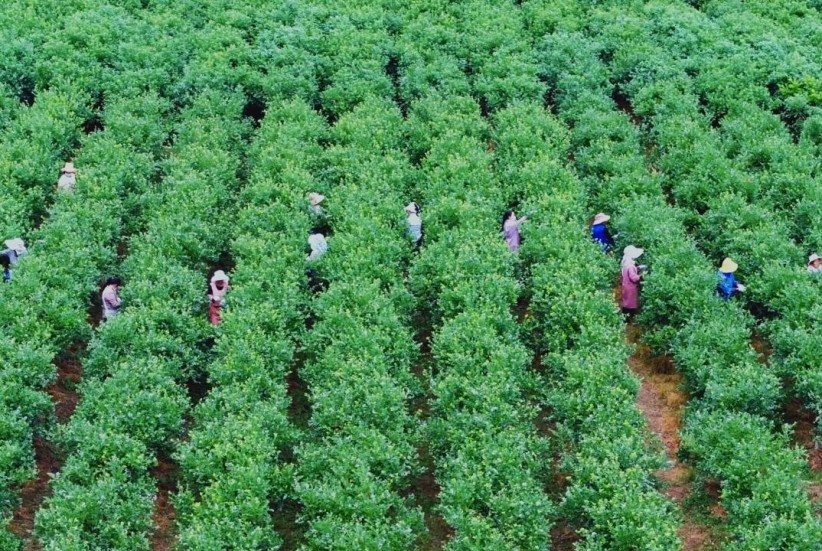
(728, 266)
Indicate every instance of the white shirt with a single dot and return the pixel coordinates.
(414, 226)
(318, 246)
(67, 182)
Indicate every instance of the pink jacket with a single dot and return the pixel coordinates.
(630, 286)
(111, 302)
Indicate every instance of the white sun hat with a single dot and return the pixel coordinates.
(601, 218)
(15, 244)
(219, 275)
(315, 198)
(631, 252)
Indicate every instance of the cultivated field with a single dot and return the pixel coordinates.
(448, 394)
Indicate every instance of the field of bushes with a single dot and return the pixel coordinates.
(451, 395)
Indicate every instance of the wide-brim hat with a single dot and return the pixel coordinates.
(728, 266)
(69, 167)
(601, 218)
(15, 244)
(811, 258)
(632, 252)
(219, 275)
(411, 207)
(315, 198)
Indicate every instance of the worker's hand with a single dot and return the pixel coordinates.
(741, 288)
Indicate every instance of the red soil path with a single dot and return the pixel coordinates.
(164, 535)
(661, 400)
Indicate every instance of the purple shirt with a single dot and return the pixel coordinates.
(511, 233)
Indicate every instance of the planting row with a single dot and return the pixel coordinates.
(242, 438)
(611, 499)
(133, 400)
(47, 304)
(356, 469)
(525, 169)
(48, 301)
(489, 458)
(234, 453)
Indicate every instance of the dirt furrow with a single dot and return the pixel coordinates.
(661, 399)
(425, 489)
(166, 473)
(63, 393)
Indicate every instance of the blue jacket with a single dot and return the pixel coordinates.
(727, 285)
(600, 234)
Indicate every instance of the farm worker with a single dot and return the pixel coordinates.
(318, 244)
(111, 298)
(727, 283)
(630, 279)
(219, 287)
(600, 233)
(510, 229)
(15, 248)
(413, 222)
(314, 200)
(815, 264)
(67, 180)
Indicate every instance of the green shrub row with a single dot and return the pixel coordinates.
(232, 466)
(524, 179)
(762, 168)
(611, 498)
(356, 467)
(77, 235)
(527, 159)
(234, 474)
(760, 217)
(489, 457)
(47, 303)
(133, 400)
